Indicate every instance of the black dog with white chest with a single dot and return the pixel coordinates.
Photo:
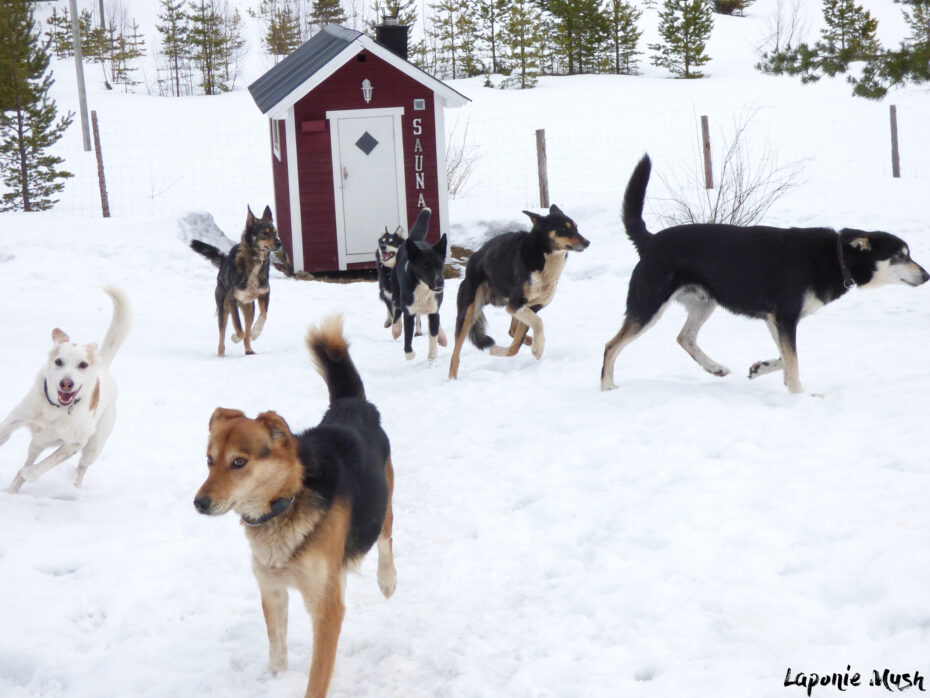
(418, 285)
(779, 275)
(386, 258)
(519, 271)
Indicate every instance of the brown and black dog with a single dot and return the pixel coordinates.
(519, 271)
(312, 503)
(243, 278)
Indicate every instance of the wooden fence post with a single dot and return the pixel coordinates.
(895, 158)
(543, 167)
(708, 166)
(104, 199)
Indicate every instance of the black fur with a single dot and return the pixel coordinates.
(419, 270)
(344, 456)
(504, 265)
(386, 257)
(762, 272)
(243, 276)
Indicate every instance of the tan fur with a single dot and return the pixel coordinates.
(541, 287)
(329, 332)
(304, 547)
(460, 340)
(95, 398)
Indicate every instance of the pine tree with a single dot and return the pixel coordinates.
(731, 7)
(282, 27)
(909, 63)
(129, 47)
(206, 39)
(29, 123)
(327, 12)
(404, 10)
(454, 34)
(59, 33)
(490, 14)
(849, 35)
(685, 26)
(581, 28)
(175, 47)
(519, 36)
(624, 36)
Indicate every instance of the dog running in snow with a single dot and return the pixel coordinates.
(243, 278)
(72, 404)
(312, 503)
(779, 275)
(418, 285)
(519, 271)
(386, 258)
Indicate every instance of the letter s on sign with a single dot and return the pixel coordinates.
(417, 127)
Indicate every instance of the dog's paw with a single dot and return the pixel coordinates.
(443, 342)
(388, 323)
(538, 346)
(387, 580)
(276, 665)
(409, 355)
(14, 486)
(396, 330)
(30, 473)
(607, 385)
(528, 340)
(237, 337)
(719, 371)
(758, 369)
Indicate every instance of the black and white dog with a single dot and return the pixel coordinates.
(386, 258)
(519, 271)
(418, 285)
(779, 275)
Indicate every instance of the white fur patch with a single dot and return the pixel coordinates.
(424, 300)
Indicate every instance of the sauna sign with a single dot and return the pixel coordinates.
(419, 172)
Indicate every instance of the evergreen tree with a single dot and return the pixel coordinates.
(685, 26)
(909, 63)
(624, 36)
(519, 34)
(454, 31)
(128, 48)
(849, 35)
(404, 10)
(282, 27)
(175, 47)
(29, 123)
(488, 19)
(731, 7)
(581, 28)
(59, 33)
(206, 40)
(327, 12)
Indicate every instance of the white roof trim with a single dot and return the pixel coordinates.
(451, 98)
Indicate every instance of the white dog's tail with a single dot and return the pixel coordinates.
(119, 325)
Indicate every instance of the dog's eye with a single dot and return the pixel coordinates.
(209, 461)
(238, 463)
(83, 365)
(59, 362)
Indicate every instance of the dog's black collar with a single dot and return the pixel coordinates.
(278, 507)
(848, 280)
(58, 404)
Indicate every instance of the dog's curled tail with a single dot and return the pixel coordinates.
(466, 296)
(329, 350)
(633, 199)
(119, 325)
(214, 254)
(421, 225)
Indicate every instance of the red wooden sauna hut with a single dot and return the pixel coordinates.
(358, 144)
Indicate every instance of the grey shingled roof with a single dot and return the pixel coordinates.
(308, 58)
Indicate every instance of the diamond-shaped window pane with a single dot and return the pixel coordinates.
(366, 143)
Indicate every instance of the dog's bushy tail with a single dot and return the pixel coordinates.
(420, 226)
(119, 325)
(329, 350)
(633, 200)
(214, 254)
(466, 296)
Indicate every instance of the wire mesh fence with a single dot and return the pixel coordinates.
(159, 167)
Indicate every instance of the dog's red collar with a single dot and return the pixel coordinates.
(848, 280)
(278, 507)
(58, 404)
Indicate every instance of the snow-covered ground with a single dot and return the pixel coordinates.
(683, 535)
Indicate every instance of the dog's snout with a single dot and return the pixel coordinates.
(66, 384)
(582, 244)
(202, 504)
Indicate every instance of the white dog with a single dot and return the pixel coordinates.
(72, 405)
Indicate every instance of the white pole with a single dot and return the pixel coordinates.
(79, 67)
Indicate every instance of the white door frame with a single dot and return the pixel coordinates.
(333, 117)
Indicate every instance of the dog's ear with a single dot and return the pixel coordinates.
(535, 217)
(222, 414)
(413, 252)
(59, 336)
(266, 216)
(277, 427)
(398, 231)
(556, 209)
(860, 243)
(249, 216)
(440, 247)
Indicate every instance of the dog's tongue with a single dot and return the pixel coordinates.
(65, 398)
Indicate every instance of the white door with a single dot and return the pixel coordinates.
(368, 179)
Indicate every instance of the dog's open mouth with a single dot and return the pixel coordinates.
(67, 398)
(386, 254)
